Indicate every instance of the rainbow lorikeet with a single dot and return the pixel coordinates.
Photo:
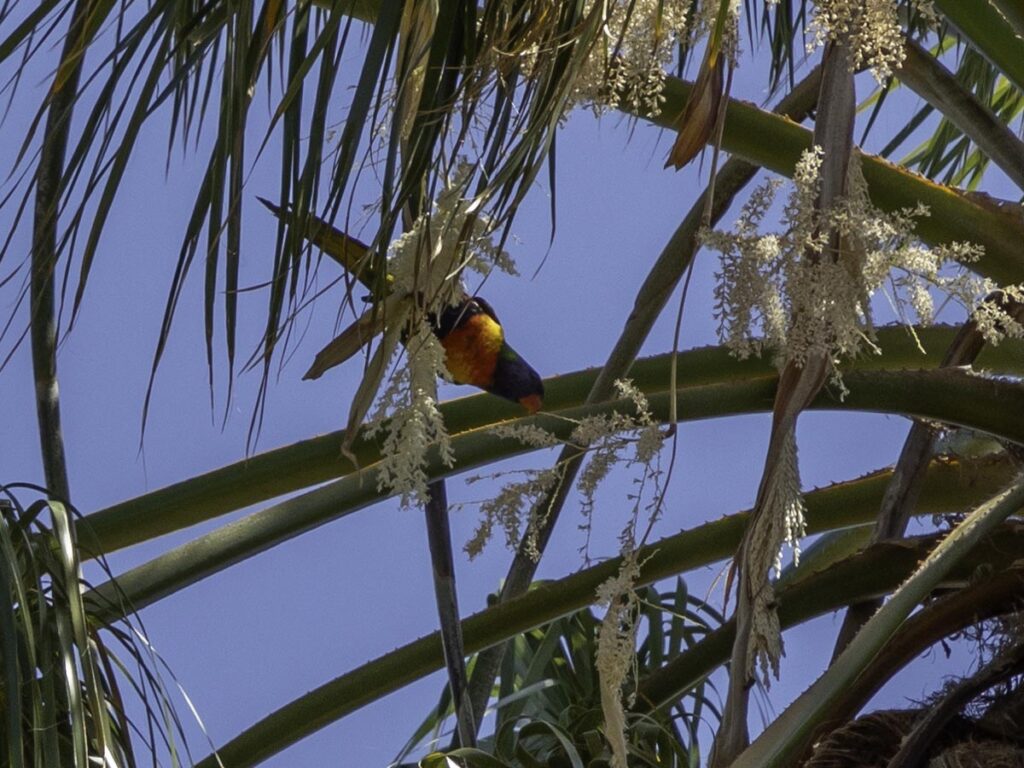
(476, 353)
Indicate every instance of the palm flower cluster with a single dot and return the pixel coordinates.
(606, 437)
(783, 292)
(616, 649)
(616, 642)
(415, 425)
(428, 259)
(626, 66)
(992, 318)
(783, 524)
(509, 507)
(872, 28)
(794, 294)
(427, 263)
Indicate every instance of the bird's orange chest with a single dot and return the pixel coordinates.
(471, 350)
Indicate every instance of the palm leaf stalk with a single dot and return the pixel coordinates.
(781, 740)
(800, 382)
(901, 496)
(936, 397)
(442, 562)
(879, 570)
(711, 383)
(671, 265)
(49, 183)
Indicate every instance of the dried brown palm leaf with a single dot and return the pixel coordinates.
(358, 335)
(697, 123)
(980, 754)
(867, 742)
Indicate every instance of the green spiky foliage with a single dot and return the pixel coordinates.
(72, 684)
(547, 707)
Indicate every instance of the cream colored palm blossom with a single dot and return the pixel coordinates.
(616, 649)
(872, 28)
(770, 297)
(607, 438)
(507, 509)
(427, 261)
(993, 320)
(782, 522)
(782, 292)
(626, 67)
(616, 640)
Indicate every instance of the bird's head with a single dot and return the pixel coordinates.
(515, 380)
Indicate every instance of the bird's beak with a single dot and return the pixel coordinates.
(531, 403)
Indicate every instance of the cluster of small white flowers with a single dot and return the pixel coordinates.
(428, 258)
(747, 298)
(781, 522)
(427, 261)
(705, 20)
(917, 274)
(992, 319)
(508, 509)
(600, 463)
(626, 66)
(870, 27)
(806, 300)
(527, 434)
(785, 291)
(649, 437)
(415, 425)
(608, 435)
(616, 649)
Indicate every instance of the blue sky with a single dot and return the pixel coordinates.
(267, 630)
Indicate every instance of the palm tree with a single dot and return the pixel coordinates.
(455, 113)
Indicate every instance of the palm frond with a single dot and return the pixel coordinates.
(164, 62)
(63, 700)
(548, 698)
(783, 26)
(981, 108)
(881, 569)
(783, 740)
